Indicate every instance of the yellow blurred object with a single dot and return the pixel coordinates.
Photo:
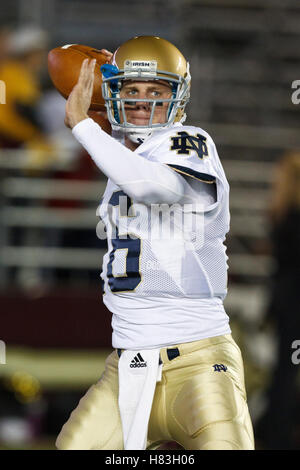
(26, 387)
(21, 88)
(41, 153)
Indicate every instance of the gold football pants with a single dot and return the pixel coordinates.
(199, 403)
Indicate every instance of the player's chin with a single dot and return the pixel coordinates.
(139, 122)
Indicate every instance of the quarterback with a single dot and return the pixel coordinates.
(176, 374)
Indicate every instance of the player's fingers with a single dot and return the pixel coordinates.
(82, 73)
(88, 71)
(107, 53)
(86, 75)
(91, 77)
(92, 65)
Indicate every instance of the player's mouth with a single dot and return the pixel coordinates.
(138, 118)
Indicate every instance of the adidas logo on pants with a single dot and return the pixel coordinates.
(138, 361)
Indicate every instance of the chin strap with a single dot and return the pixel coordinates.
(138, 136)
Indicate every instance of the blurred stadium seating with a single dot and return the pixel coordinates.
(244, 55)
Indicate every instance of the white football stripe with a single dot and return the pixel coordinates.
(68, 45)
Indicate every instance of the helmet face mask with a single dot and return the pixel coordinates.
(142, 59)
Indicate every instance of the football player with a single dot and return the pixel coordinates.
(176, 373)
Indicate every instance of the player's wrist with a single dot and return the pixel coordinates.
(74, 119)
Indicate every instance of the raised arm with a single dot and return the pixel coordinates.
(144, 181)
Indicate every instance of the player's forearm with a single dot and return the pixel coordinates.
(144, 181)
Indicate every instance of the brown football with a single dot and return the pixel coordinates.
(64, 65)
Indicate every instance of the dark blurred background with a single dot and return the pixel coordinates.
(244, 57)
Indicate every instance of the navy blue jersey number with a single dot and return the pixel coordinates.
(132, 277)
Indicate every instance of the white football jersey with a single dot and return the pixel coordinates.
(165, 272)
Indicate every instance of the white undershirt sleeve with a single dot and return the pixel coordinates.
(144, 181)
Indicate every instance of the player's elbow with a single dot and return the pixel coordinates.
(161, 194)
(163, 187)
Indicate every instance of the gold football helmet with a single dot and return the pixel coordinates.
(146, 58)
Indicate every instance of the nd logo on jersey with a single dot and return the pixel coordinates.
(185, 143)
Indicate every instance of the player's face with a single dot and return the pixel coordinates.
(139, 112)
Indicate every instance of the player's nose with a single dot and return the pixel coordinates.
(142, 105)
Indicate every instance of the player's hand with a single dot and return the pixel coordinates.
(79, 100)
(107, 53)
